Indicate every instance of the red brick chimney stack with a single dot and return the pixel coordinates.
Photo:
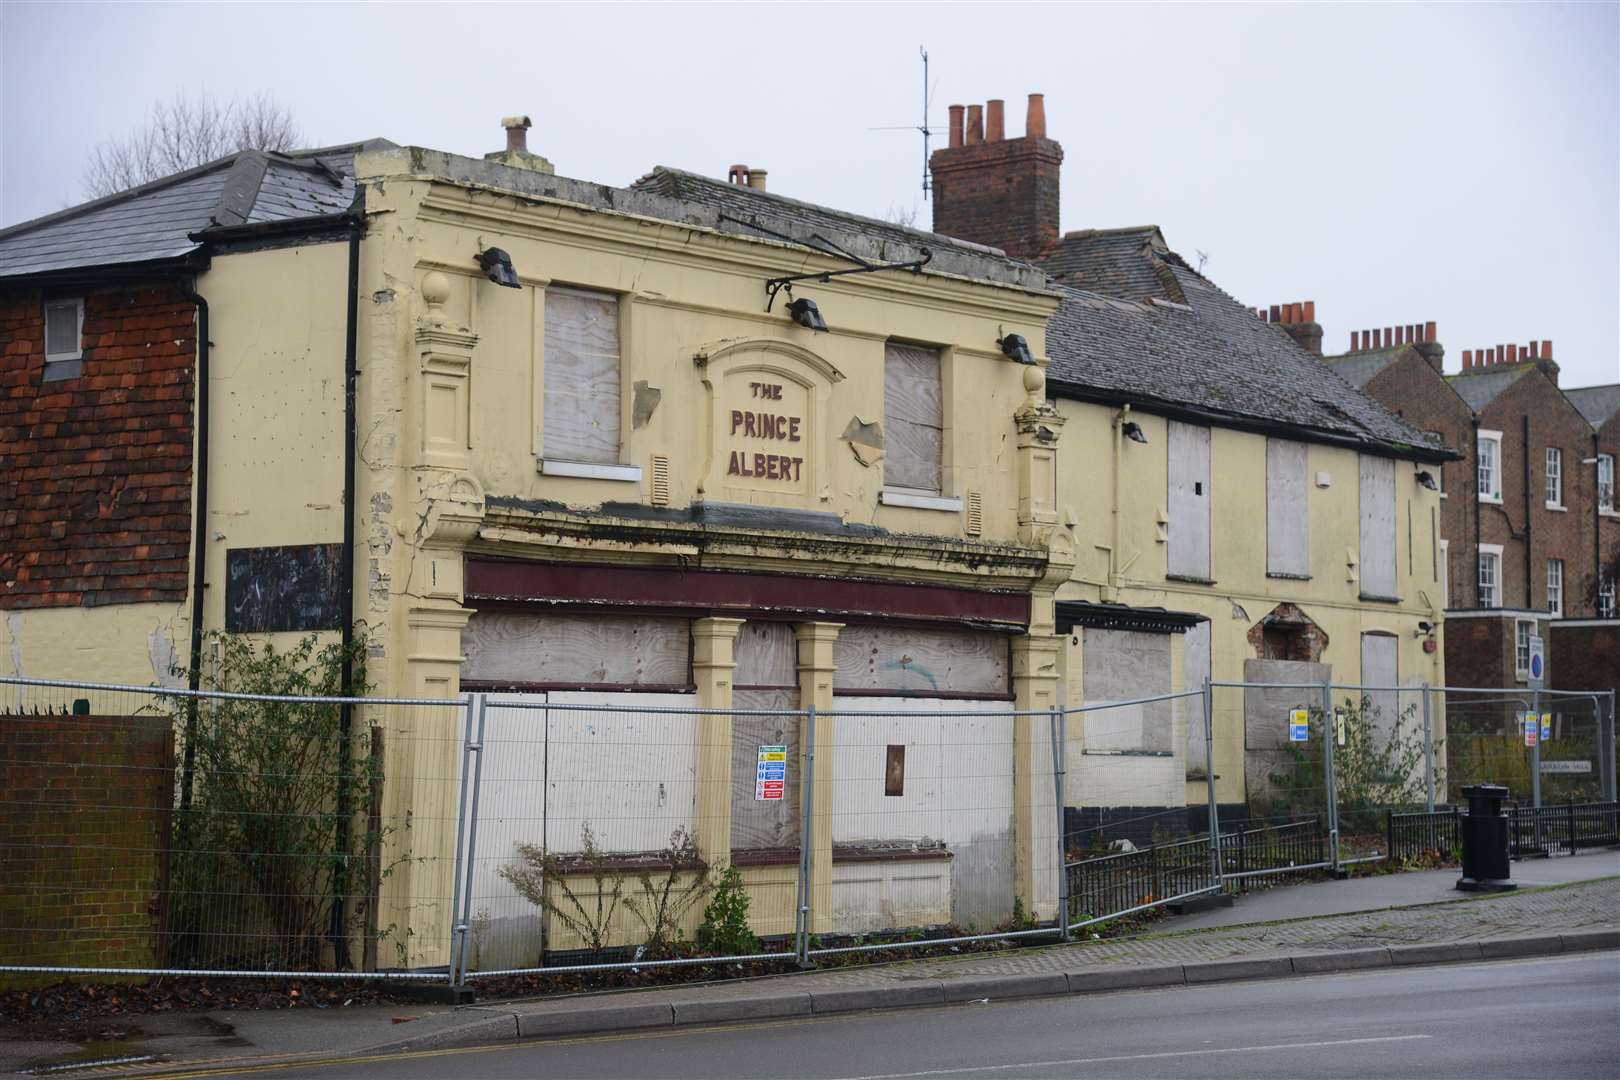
(1298, 320)
(995, 190)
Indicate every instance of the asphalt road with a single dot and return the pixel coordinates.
(1556, 1017)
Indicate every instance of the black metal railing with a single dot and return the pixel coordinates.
(1411, 835)
(1251, 857)
(1110, 884)
(1570, 827)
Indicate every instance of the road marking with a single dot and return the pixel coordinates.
(1138, 1057)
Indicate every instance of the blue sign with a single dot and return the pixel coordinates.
(1299, 725)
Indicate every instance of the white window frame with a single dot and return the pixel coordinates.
(1491, 596)
(1555, 478)
(63, 365)
(1606, 605)
(1491, 493)
(1605, 484)
(1555, 587)
(1521, 647)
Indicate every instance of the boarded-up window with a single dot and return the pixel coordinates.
(581, 363)
(1378, 668)
(913, 417)
(1288, 518)
(1195, 668)
(1378, 527)
(1121, 665)
(876, 659)
(1189, 500)
(513, 649)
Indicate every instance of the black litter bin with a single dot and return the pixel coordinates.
(1485, 841)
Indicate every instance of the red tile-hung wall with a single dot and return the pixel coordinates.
(95, 471)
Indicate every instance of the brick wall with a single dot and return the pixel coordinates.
(1553, 534)
(95, 471)
(1584, 657)
(1479, 651)
(84, 823)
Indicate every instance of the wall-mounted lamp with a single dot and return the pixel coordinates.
(1133, 431)
(1015, 348)
(1424, 628)
(498, 267)
(804, 312)
(1425, 479)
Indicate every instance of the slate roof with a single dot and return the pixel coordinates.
(154, 222)
(1358, 368)
(1596, 403)
(1481, 386)
(1207, 353)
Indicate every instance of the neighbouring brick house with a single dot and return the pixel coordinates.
(1529, 534)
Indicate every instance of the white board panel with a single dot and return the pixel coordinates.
(1377, 526)
(913, 417)
(1195, 668)
(1189, 496)
(581, 374)
(958, 789)
(1379, 659)
(1120, 665)
(1288, 519)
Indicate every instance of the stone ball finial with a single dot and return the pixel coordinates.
(1034, 382)
(435, 291)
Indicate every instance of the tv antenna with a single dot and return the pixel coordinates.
(927, 132)
(1203, 257)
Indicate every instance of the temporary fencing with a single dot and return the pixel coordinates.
(156, 830)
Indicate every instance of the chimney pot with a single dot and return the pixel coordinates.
(756, 179)
(1513, 354)
(1429, 331)
(1389, 336)
(1468, 359)
(1501, 354)
(739, 175)
(1355, 341)
(1546, 350)
(1535, 350)
(975, 125)
(1310, 311)
(517, 137)
(995, 120)
(1035, 119)
(956, 126)
(1276, 313)
(1378, 339)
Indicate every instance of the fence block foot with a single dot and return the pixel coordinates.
(1470, 885)
(1201, 903)
(432, 993)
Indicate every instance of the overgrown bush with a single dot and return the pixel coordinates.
(265, 850)
(725, 930)
(1373, 770)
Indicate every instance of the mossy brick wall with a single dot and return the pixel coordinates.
(84, 823)
(95, 471)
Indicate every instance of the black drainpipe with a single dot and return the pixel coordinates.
(340, 880)
(199, 560)
(1597, 525)
(1529, 586)
(1479, 593)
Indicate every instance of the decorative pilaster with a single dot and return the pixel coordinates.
(816, 666)
(713, 662)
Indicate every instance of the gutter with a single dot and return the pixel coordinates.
(1297, 432)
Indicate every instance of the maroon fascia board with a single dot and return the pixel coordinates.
(739, 593)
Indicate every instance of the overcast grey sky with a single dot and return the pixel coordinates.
(1393, 163)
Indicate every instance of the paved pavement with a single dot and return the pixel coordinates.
(1304, 942)
(1387, 890)
(1544, 1017)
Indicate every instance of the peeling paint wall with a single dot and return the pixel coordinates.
(135, 644)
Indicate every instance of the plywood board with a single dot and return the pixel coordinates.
(756, 824)
(581, 374)
(1288, 518)
(1120, 665)
(767, 655)
(1377, 526)
(1189, 499)
(924, 662)
(913, 417)
(576, 650)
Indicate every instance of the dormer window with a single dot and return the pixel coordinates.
(64, 338)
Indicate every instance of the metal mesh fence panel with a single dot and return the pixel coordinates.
(1285, 767)
(593, 831)
(1126, 782)
(943, 823)
(159, 831)
(1567, 757)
